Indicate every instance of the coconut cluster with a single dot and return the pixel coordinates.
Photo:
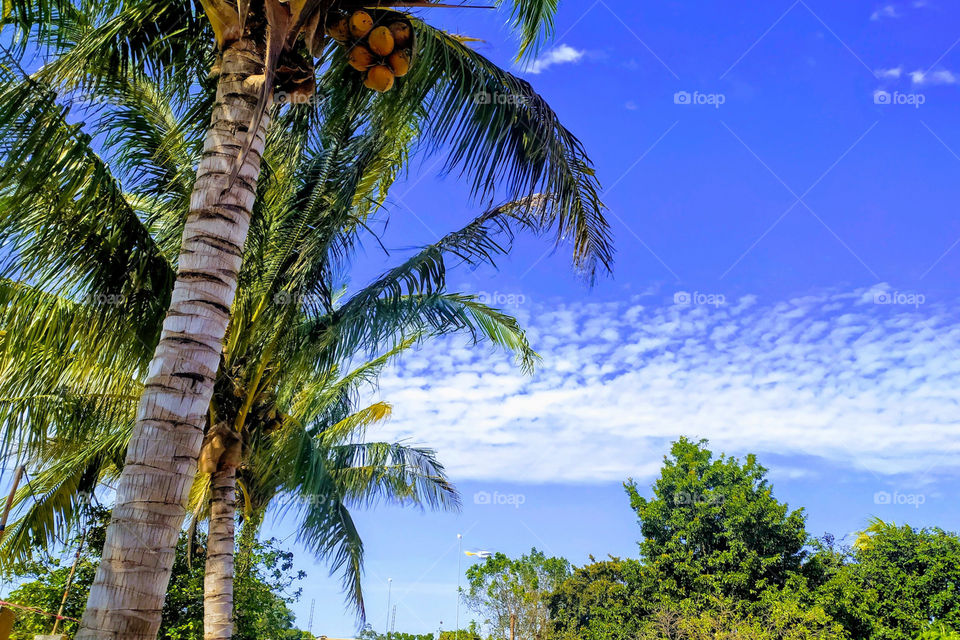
(379, 45)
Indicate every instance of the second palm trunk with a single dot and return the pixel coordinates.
(218, 575)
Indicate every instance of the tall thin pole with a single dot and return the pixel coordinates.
(459, 560)
(13, 491)
(66, 591)
(313, 602)
(389, 590)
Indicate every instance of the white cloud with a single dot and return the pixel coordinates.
(894, 73)
(887, 11)
(855, 384)
(561, 54)
(935, 77)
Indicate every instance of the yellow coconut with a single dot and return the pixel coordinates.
(339, 30)
(402, 34)
(399, 62)
(381, 41)
(360, 24)
(379, 78)
(360, 58)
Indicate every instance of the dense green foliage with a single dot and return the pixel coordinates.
(898, 581)
(472, 632)
(714, 529)
(501, 587)
(262, 594)
(721, 557)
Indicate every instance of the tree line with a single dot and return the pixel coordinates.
(721, 558)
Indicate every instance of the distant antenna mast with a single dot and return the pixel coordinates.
(313, 601)
(393, 620)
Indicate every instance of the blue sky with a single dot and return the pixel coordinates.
(782, 185)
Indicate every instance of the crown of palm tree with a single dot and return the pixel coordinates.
(292, 330)
(94, 245)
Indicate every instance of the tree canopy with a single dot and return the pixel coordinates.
(714, 528)
(721, 557)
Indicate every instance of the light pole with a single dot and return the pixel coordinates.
(459, 560)
(389, 589)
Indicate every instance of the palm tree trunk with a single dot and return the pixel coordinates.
(218, 577)
(127, 595)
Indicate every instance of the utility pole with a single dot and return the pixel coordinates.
(459, 560)
(389, 590)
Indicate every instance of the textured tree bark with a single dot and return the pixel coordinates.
(127, 595)
(218, 577)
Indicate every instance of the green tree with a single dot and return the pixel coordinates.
(725, 620)
(472, 632)
(265, 594)
(896, 583)
(714, 528)
(515, 144)
(368, 633)
(501, 588)
(600, 601)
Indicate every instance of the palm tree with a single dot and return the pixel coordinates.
(313, 467)
(278, 400)
(516, 145)
(864, 539)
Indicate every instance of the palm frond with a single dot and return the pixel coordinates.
(55, 497)
(65, 219)
(501, 134)
(533, 19)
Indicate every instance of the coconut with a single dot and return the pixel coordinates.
(399, 62)
(381, 41)
(210, 454)
(402, 34)
(379, 78)
(339, 30)
(360, 24)
(360, 58)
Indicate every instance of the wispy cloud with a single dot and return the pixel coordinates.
(859, 385)
(896, 10)
(893, 73)
(886, 11)
(934, 77)
(561, 54)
